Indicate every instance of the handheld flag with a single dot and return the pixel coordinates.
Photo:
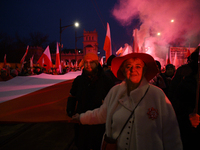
(176, 62)
(58, 65)
(4, 62)
(31, 61)
(101, 61)
(135, 42)
(107, 44)
(46, 57)
(167, 59)
(23, 58)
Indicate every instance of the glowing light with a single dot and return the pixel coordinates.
(76, 24)
(147, 48)
(172, 20)
(158, 34)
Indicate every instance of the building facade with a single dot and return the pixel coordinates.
(90, 42)
(90, 45)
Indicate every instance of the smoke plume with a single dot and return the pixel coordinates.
(156, 16)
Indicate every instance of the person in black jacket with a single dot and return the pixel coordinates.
(182, 94)
(109, 73)
(88, 89)
(163, 80)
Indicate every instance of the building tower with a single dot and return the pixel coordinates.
(90, 42)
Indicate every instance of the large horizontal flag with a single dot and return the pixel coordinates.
(36, 98)
(45, 59)
(107, 44)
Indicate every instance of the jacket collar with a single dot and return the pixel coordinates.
(135, 95)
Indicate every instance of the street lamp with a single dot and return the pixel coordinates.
(76, 24)
(144, 44)
(62, 28)
(158, 34)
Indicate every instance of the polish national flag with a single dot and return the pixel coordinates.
(107, 44)
(120, 51)
(176, 62)
(126, 51)
(4, 62)
(135, 42)
(23, 58)
(58, 65)
(188, 53)
(31, 61)
(62, 64)
(101, 61)
(167, 59)
(46, 57)
(71, 65)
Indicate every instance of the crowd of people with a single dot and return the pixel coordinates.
(167, 118)
(160, 106)
(8, 72)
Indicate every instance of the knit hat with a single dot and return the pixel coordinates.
(91, 56)
(151, 71)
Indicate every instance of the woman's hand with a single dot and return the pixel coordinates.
(194, 119)
(76, 117)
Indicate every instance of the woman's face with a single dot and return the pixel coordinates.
(133, 69)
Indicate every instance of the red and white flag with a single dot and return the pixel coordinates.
(4, 62)
(126, 51)
(167, 59)
(176, 62)
(31, 61)
(101, 61)
(71, 65)
(135, 42)
(107, 44)
(188, 52)
(76, 65)
(58, 65)
(23, 58)
(46, 57)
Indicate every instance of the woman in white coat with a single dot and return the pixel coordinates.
(153, 126)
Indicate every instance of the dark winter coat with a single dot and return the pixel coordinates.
(88, 92)
(182, 94)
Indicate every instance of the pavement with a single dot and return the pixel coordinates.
(38, 121)
(37, 136)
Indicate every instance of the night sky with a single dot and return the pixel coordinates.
(24, 17)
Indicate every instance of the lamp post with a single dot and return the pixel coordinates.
(62, 28)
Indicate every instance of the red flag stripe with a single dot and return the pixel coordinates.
(107, 44)
(23, 58)
(4, 64)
